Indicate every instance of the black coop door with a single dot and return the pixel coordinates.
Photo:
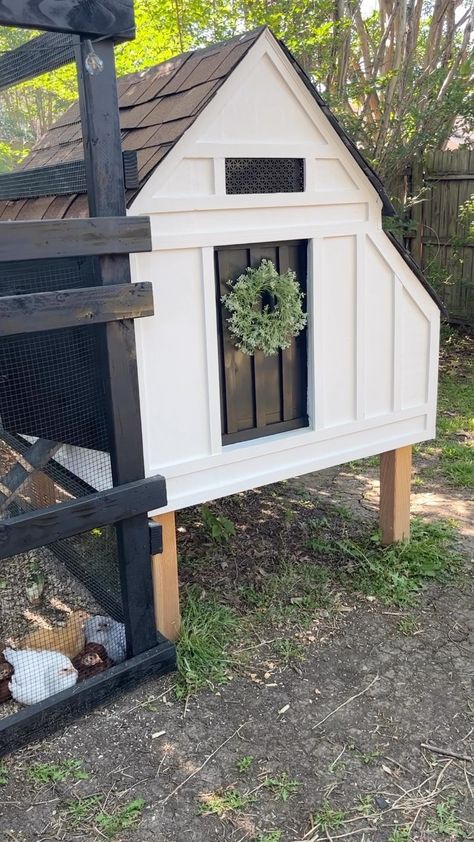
(260, 395)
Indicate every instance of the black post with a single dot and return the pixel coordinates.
(106, 192)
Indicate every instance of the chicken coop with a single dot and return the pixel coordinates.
(77, 618)
(290, 332)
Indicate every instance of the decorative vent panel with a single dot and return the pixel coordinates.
(264, 175)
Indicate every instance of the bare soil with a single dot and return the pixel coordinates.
(346, 724)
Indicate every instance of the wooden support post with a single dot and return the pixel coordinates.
(395, 481)
(165, 579)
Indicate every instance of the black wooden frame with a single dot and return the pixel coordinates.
(109, 235)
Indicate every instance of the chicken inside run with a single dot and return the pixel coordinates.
(52, 632)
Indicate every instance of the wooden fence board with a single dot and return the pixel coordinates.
(442, 245)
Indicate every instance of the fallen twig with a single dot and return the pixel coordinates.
(446, 752)
(196, 772)
(346, 703)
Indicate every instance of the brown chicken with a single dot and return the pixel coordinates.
(68, 639)
(91, 661)
(6, 672)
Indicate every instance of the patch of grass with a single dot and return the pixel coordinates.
(368, 757)
(289, 594)
(283, 787)
(446, 821)
(3, 775)
(408, 626)
(365, 805)
(207, 631)
(122, 819)
(244, 764)
(400, 834)
(218, 528)
(396, 573)
(270, 836)
(220, 803)
(327, 819)
(451, 456)
(288, 651)
(45, 773)
(80, 810)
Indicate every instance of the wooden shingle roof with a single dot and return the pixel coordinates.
(156, 106)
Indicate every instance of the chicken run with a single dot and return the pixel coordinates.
(52, 632)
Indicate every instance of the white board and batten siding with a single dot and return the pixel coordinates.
(373, 330)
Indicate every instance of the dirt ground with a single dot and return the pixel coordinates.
(330, 747)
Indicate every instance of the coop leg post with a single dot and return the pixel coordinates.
(395, 481)
(165, 579)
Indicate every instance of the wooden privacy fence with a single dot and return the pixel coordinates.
(442, 244)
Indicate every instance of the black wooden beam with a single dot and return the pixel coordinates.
(74, 307)
(41, 719)
(52, 238)
(59, 179)
(36, 529)
(81, 17)
(102, 153)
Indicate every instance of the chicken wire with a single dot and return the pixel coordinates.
(53, 449)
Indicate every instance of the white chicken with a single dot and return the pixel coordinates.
(110, 634)
(38, 674)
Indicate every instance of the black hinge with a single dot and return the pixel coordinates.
(156, 537)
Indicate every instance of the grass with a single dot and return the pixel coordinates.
(397, 573)
(283, 787)
(327, 818)
(451, 456)
(270, 836)
(221, 803)
(291, 593)
(45, 773)
(400, 834)
(244, 764)
(408, 626)
(446, 821)
(77, 811)
(203, 649)
(110, 824)
(3, 775)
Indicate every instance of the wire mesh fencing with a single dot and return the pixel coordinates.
(61, 608)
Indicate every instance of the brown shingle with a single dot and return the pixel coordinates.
(157, 106)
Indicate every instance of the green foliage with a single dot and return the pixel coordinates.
(446, 821)
(79, 810)
(218, 527)
(207, 630)
(400, 834)
(327, 818)
(244, 764)
(44, 773)
(291, 594)
(258, 325)
(408, 626)
(122, 819)
(221, 803)
(466, 215)
(3, 775)
(395, 574)
(283, 787)
(270, 836)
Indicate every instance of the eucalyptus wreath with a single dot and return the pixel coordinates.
(266, 309)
